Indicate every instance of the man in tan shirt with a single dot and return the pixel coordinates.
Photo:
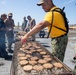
(31, 24)
(10, 34)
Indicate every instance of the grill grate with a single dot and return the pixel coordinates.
(35, 49)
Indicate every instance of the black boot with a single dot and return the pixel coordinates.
(10, 51)
(8, 57)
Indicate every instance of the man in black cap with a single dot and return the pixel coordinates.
(58, 32)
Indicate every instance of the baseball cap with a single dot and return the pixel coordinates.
(41, 2)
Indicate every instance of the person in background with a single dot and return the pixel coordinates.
(10, 32)
(59, 38)
(3, 52)
(24, 24)
(31, 24)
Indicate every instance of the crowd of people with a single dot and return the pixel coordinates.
(7, 33)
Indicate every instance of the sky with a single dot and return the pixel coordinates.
(21, 8)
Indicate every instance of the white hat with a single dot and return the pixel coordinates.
(41, 2)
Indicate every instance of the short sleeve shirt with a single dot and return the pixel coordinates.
(58, 21)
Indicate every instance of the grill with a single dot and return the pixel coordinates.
(34, 51)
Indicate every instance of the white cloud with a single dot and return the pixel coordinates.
(3, 2)
(71, 1)
(68, 2)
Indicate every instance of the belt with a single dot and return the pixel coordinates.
(60, 36)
